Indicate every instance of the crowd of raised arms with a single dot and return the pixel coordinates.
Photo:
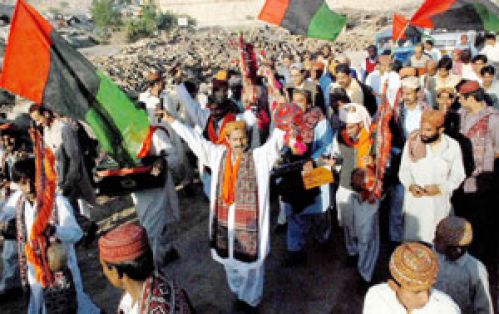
(306, 147)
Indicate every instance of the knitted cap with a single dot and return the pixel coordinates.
(455, 231)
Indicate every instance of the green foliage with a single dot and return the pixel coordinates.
(104, 14)
(144, 26)
(151, 21)
(64, 4)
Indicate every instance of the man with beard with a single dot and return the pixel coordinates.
(431, 169)
(239, 204)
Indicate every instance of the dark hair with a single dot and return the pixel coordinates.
(466, 56)
(372, 47)
(305, 93)
(397, 66)
(480, 58)
(40, 109)
(141, 105)
(24, 168)
(138, 269)
(445, 63)
(490, 36)
(338, 94)
(343, 68)
(430, 42)
(488, 69)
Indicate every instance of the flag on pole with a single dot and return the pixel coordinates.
(311, 18)
(41, 66)
(458, 15)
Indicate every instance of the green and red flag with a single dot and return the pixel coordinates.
(458, 15)
(41, 66)
(311, 18)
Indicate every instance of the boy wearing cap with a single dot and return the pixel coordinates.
(461, 276)
(127, 262)
(413, 268)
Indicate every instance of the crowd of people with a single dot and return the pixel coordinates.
(418, 139)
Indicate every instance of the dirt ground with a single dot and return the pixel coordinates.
(325, 285)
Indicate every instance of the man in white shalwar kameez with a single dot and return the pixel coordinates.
(158, 207)
(239, 204)
(431, 169)
(358, 217)
(67, 231)
(463, 277)
(413, 268)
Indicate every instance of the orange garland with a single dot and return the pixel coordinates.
(45, 183)
(230, 179)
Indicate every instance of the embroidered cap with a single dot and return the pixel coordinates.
(125, 243)
(414, 266)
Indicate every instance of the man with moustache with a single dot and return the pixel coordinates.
(431, 169)
(239, 205)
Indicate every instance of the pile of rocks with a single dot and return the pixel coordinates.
(200, 54)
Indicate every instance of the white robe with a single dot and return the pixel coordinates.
(68, 232)
(264, 158)
(381, 299)
(443, 167)
(245, 279)
(466, 281)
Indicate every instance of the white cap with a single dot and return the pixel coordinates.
(411, 82)
(355, 113)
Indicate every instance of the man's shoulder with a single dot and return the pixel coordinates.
(443, 302)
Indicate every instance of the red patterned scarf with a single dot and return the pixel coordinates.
(246, 212)
(161, 296)
(478, 136)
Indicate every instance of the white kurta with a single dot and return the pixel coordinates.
(443, 167)
(245, 279)
(126, 305)
(466, 281)
(68, 232)
(381, 299)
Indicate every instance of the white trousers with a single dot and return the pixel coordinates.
(246, 284)
(360, 223)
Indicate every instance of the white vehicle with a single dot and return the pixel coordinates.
(446, 41)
